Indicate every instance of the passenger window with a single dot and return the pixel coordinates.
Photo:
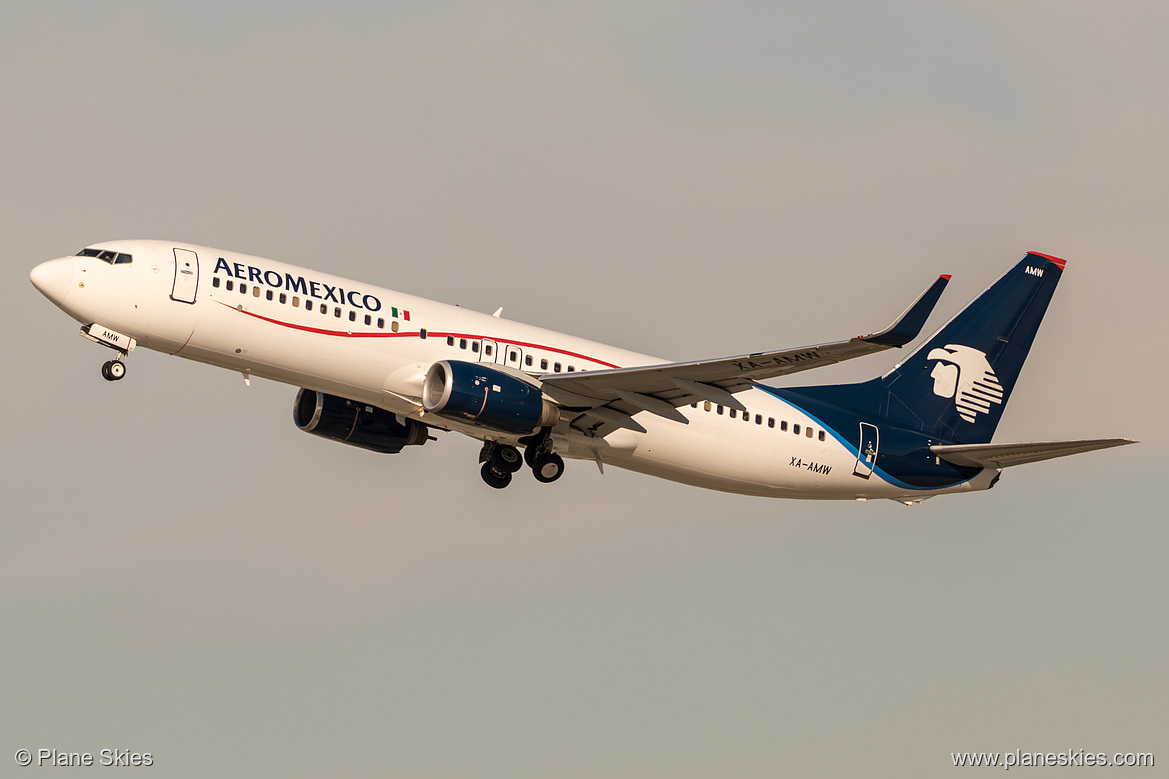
(325, 309)
(450, 340)
(487, 349)
(759, 419)
(421, 332)
(381, 323)
(475, 346)
(783, 425)
(706, 405)
(732, 412)
(821, 435)
(556, 367)
(215, 281)
(512, 356)
(283, 298)
(368, 320)
(394, 325)
(352, 316)
(571, 369)
(243, 288)
(528, 360)
(308, 305)
(771, 421)
(337, 312)
(543, 365)
(693, 405)
(810, 432)
(796, 428)
(719, 409)
(229, 285)
(462, 343)
(256, 293)
(268, 295)
(295, 301)
(746, 417)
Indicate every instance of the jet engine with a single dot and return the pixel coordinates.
(474, 393)
(356, 424)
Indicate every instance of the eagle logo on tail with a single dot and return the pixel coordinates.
(963, 373)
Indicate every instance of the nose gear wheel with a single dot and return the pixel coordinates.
(113, 370)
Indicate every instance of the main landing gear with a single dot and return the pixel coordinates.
(500, 461)
(547, 467)
(113, 370)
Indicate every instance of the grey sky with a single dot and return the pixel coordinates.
(183, 572)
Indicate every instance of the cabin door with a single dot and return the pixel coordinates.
(866, 458)
(186, 276)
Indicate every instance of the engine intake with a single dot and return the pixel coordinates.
(483, 396)
(355, 424)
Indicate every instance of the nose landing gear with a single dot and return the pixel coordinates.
(113, 370)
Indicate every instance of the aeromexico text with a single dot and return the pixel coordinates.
(313, 289)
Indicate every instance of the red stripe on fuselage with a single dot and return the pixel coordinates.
(414, 334)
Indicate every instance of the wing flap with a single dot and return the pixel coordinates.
(1006, 455)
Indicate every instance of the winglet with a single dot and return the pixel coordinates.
(909, 324)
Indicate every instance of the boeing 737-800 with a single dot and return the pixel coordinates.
(381, 370)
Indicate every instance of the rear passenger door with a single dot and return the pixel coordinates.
(866, 457)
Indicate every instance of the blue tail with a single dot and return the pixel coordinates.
(956, 385)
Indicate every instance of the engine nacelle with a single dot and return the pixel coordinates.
(356, 424)
(483, 396)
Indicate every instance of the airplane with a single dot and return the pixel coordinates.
(382, 370)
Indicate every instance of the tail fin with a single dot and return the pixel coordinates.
(956, 385)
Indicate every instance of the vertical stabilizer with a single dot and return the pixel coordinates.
(956, 385)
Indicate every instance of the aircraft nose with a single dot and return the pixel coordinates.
(53, 278)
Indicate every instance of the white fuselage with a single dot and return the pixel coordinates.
(375, 345)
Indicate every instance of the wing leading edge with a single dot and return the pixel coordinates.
(660, 389)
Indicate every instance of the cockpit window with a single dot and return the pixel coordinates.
(112, 257)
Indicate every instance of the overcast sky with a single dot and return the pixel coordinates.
(182, 572)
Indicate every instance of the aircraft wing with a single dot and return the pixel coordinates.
(1005, 455)
(611, 397)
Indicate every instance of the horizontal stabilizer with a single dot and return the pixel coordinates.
(1004, 455)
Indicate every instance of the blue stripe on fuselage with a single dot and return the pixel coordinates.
(903, 451)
